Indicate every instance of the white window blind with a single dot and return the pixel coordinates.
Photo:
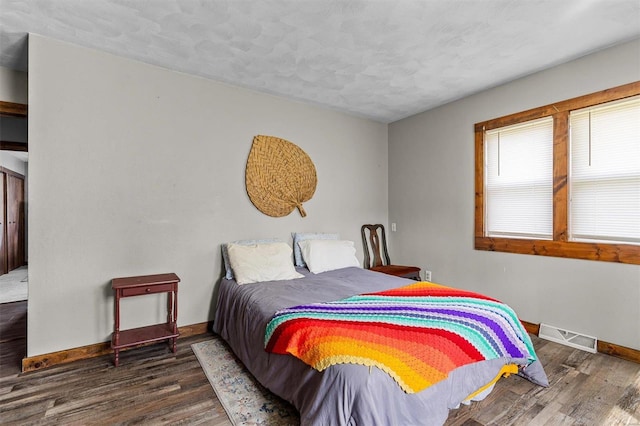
(519, 180)
(605, 173)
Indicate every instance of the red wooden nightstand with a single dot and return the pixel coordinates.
(141, 285)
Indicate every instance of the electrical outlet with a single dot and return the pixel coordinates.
(393, 227)
(427, 275)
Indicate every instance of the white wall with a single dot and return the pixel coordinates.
(138, 170)
(431, 197)
(10, 161)
(13, 86)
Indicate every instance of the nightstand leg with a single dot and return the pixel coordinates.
(116, 328)
(174, 318)
(170, 307)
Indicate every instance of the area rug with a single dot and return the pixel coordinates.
(245, 400)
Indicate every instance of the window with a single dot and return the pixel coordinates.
(604, 179)
(562, 180)
(519, 180)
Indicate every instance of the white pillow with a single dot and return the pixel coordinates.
(301, 236)
(228, 272)
(327, 255)
(261, 262)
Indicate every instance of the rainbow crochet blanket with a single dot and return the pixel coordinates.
(417, 334)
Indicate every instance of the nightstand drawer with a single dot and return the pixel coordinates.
(137, 291)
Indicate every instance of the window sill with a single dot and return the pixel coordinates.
(619, 253)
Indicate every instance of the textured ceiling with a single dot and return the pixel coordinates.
(383, 60)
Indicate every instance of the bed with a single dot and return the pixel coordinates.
(342, 394)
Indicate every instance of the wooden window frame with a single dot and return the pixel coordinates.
(559, 245)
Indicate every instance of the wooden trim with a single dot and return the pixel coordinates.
(607, 348)
(608, 95)
(620, 253)
(560, 176)
(54, 358)
(14, 146)
(559, 246)
(479, 176)
(12, 109)
(98, 349)
(618, 351)
(531, 327)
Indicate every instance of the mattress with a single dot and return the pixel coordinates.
(343, 394)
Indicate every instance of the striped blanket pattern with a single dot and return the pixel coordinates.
(417, 333)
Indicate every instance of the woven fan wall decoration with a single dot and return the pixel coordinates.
(279, 177)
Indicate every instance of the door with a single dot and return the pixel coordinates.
(3, 218)
(15, 221)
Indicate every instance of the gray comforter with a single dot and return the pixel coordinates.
(345, 394)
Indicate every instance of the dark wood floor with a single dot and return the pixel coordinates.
(585, 389)
(154, 386)
(13, 337)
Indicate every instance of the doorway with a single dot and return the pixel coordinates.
(13, 247)
(13, 236)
